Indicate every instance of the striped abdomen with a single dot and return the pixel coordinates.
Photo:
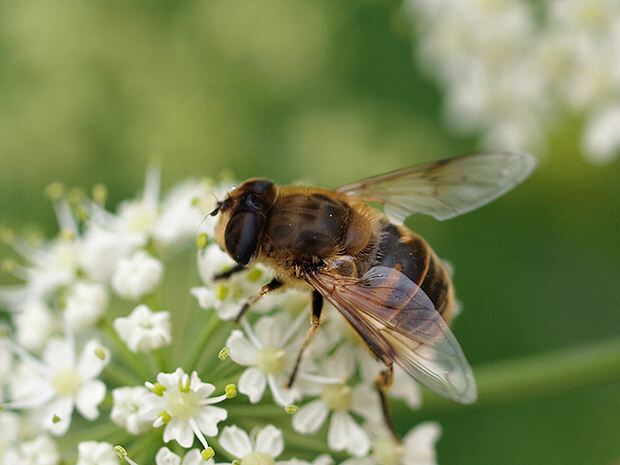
(407, 252)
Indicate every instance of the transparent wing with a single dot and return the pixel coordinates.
(399, 323)
(446, 188)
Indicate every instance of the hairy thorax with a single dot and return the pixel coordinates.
(311, 227)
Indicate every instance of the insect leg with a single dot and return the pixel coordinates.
(228, 273)
(267, 288)
(317, 307)
(383, 383)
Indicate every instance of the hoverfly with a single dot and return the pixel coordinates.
(384, 279)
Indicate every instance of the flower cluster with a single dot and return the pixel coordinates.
(510, 67)
(116, 329)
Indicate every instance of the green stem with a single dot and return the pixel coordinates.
(540, 375)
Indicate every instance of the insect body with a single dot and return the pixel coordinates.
(384, 279)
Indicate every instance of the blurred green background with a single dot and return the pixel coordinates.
(327, 92)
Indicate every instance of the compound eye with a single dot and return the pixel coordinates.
(241, 236)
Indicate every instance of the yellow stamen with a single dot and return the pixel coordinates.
(223, 355)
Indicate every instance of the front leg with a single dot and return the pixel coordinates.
(267, 288)
(228, 273)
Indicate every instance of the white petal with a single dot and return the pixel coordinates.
(281, 394)
(269, 440)
(341, 364)
(365, 402)
(59, 354)
(40, 451)
(323, 459)
(211, 261)
(181, 431)
(89, 397)
(420, 444)
(310, 417)
(34, 324)
(345, 433)
(205, 296)
(203, 390)
(165, 456)
(208, 417)
(171, 379)
(61, 409)
(85, 304)
(252, 383)
(90, 364)
(235, 441)
(269, 329)
(241, 349)
(193, 457)
(101, 453)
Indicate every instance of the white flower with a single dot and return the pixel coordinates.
(420, 444)
(416, 448)
(144, 330)
(85, 305)
(137, 275)
(39, 451)
(102, 248)
(344, 432)
(213, 260)
(340, 399)
(62, 383)
(510, 70)
(602, 136)
(166, 457)
(182, 403)
(266, 352)
(54, 265)
(9, 429)
(226, 296)
(181, 213)
(96, 453)
(34, 324)
(128, 401)
(262, 448)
